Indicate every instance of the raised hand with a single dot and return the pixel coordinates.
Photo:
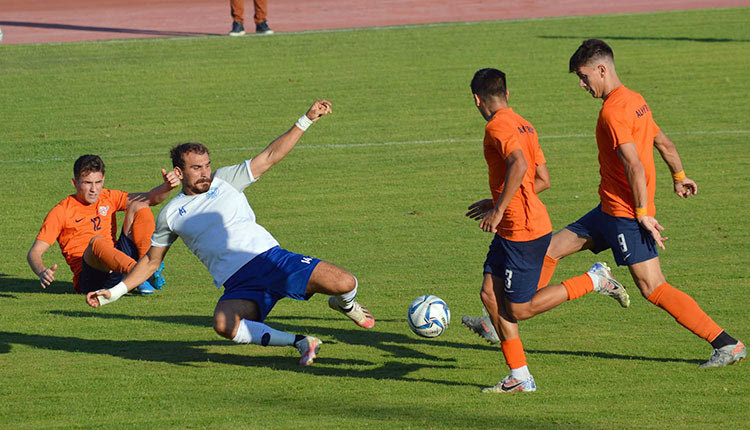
(318, 109)
(170, 178)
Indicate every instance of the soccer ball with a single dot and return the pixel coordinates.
(428, 316)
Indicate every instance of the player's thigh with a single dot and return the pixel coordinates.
(565, 242)
(647, 275)
(330, 279)
(229, 313)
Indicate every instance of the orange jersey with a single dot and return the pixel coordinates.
(73, 224)
(526, 217)
(624, 118)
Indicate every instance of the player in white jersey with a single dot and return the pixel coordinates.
(212, 216)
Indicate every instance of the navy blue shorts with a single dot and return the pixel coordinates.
(92, 279)
(519, 264)
(629, 242)
(269, 277)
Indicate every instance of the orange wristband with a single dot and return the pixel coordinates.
(639, 212)
(678, 176)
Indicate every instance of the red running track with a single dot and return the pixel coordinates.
(42, 21)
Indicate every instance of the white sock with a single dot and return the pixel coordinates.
(261, 334)
(595, 279)
(522, 373)
(345, 300)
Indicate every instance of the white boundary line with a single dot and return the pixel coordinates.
(361, 145)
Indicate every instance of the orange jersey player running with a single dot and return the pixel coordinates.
(624, 222)
(85, 225)
(521, 227)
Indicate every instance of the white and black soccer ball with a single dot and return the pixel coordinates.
(428, 316)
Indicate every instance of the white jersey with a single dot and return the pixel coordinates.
(218, 226)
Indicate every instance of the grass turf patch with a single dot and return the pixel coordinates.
(380, 188)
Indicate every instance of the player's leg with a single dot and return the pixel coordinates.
(138, 226)
(103, 264)
(241, 321)
(102, 255)
(505, 280)
(520, 379)
(576, 237)
(484, 326)
(686, 311)
(562, 244)
(342, 286)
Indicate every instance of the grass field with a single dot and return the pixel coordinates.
(380, 188)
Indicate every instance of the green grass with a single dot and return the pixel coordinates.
(380, 188)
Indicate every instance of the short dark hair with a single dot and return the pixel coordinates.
(178, 151)
(589, 50)
(489, 82)
(87, 164)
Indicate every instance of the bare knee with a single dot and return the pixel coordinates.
(134, 205)
(347, 282)
(332, 280)
(647, 276)
(222, 327)
(521, 312)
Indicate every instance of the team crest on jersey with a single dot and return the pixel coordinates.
(212, 193)
(103, 210)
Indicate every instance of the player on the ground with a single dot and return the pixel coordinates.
(214, 219)
(85, 225)
(624, 221)
(522, 229)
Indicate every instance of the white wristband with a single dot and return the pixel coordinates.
(303, 122)
(115, 292)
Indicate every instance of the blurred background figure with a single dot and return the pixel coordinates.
(238, 11)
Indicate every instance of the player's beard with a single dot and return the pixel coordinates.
(201, 186)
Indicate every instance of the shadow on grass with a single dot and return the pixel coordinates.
(18, 285)
(188, 353)
(396, 344)
(56, 26)
(677, 39)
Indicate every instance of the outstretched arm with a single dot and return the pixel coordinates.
(159, 193)
(146, 266)
(34, 257)
(280, 147)
(637, 179)
(683, 186)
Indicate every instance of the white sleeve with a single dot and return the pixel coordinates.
(238, 176)
(163, 236)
